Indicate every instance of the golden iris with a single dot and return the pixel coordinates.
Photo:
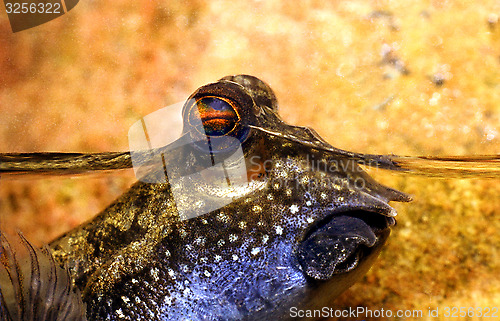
(217, 115)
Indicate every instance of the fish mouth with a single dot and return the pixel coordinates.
(339, 242)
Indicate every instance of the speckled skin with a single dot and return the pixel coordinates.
(308, 224)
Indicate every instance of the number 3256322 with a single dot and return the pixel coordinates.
(456, 312)
(32, 7)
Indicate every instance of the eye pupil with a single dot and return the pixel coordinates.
(217, 115)
(216, 104)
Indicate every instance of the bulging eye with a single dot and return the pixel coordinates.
(218, 115)
(216, 121)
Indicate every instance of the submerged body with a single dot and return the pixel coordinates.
(306, 224)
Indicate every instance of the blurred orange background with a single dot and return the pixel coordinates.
(402, 77)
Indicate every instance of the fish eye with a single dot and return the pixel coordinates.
(218, 115)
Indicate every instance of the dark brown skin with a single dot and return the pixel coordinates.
(308, 223)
